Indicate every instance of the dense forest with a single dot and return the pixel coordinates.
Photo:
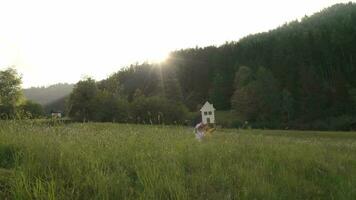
(300, 75)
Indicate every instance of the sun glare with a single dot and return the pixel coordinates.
(159, 57)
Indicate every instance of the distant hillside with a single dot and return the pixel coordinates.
(48, 95)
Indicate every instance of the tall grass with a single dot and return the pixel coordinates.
(118, 161)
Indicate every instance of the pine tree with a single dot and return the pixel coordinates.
(218, 93)
(171, 87)
(287, 103)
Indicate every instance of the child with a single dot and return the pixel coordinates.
(199, 131)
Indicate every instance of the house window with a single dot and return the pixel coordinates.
(205, 113)
(210, 113)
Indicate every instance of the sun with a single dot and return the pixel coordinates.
(158, 56)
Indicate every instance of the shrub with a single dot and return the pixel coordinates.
(157, 110)
(7, 156)
(31, 110)
(342, 122)
(109, 108)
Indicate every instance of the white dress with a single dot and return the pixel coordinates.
(198, 134)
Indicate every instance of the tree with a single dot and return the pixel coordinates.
(10, 92)
(352, 94)
(268, 95)
(110, 108)
(218, 93)
(244, 100)
(112, 85)
(157, 110)
(245, 103)
(287, 103)
(32, 110)
(81, 103)
(244, 76)
(170, 85)
(137, 94)
(256, 97)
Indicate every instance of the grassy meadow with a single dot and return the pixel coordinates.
(119, 161)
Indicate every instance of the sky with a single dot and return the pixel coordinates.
(61, 41)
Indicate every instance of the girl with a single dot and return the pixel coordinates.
(199, 131)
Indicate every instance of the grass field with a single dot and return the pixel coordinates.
(118, 161)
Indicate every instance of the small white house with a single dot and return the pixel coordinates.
(208, 113)
(56, 114)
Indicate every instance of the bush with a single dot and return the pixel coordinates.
(109, 108)
(342, 122)
(193, 118)
(336, 123)
(157, 110)
(236, 124)
(7, 156)
(31, 110)
(7, 112)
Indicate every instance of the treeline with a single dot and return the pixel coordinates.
(104, 101)
(300, 75)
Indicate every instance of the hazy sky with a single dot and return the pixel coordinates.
(61, 41)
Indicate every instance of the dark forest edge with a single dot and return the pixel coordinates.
(298, 76)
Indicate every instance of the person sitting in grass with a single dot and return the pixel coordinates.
(202, 130)
(199, 131)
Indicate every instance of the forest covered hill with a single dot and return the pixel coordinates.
(301, 72)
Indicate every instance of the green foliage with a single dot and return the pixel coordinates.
(92, 101)
(226, 119)
(58, 105)
(112, 85)
(352, 93)
(245, 102)
(10, 93)
(287, 103)
(120, 161)
(10, 87)
(217, 94)
(157, 110)
(7, 156)
(243, 77)
(170, 85)
(110, 108)
(32, 110)
(343, 122)
(257, 97)
(268, 95)
(81, 103)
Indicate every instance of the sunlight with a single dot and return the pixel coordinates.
(158, 57)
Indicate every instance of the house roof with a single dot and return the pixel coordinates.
(207, 107)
